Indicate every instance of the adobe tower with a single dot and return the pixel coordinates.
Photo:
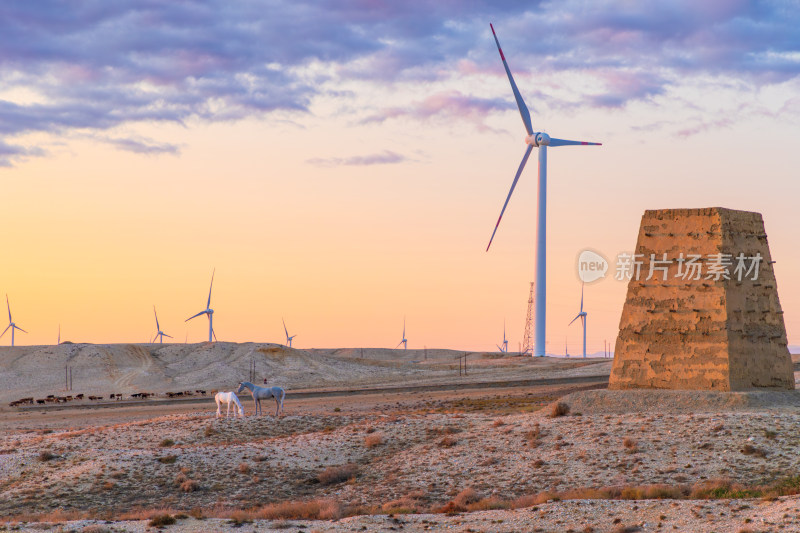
(702, 310)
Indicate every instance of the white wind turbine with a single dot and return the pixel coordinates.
(158, 329)
(582, 315)
(11, 324)
(540, 140)
(208, 311)
(404, 342)
(288, 338)
(504, 347)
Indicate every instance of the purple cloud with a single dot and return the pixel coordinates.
(94, 65)
(144, 146)
(446, 105)
(384, 158)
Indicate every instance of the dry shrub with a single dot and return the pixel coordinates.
(373, 440)
(533, 436)
(533, 499)
(466, 497)
(190, 485)
(749, 449)
(448, 441)
(161, 520)
(180, 478)
(488, 504)
(166, 443)
(244, 468)
(720, 488)
(319, 509)
(497, 423)
(559, 409)
(337, 474)
(630, 444)
(46, 455)
(410, 503)
(167, 459)
(210, 431)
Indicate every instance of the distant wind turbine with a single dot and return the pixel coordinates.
(288, 338)
(59, 334)
(504, 347)
(582, 315)
(404, 342)
(208, 311)
(11, 324)
(540, 140)
(158, 329)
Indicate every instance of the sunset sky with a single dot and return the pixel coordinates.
(342, 163)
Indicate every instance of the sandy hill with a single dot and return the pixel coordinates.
(102, 369)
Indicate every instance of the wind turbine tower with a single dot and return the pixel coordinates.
(582, 315)
(504, 347)
(11, 324)
(541, 141)
(404, 342)
(158, 329)
(288, 338)
(208, 311)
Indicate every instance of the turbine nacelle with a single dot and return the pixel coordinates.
(538, 139)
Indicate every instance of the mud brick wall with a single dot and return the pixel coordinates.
(702, 334)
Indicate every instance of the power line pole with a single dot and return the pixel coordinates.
(527, 346)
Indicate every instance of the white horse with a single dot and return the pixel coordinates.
(229, 398)
(264, 393)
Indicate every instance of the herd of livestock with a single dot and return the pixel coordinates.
(51, 398)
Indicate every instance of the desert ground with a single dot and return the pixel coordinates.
(384, 440)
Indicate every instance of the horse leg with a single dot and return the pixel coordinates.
(219, 413)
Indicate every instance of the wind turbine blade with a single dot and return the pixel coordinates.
(208, 305)
(4, 331)
(513, 184)
(564, 142)
(396, 347)
(165, 335)
(214, 333)
(19, 328)
(9, 310)
(158, 328)
(195, 316)
(574, 319)
(523, 109)
(581, 297)
(285, 330)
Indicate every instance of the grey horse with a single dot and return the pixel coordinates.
(263, 393)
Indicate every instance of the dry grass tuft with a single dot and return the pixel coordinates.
(190, 485)
(46, 455)
(749, 449)
(373, 440)
(319, 509)
(337, 474)
(448, 441)
(161, 520)
(244, 468)
(559, 409)
(166, 443)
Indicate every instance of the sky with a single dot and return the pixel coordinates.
(341, 164)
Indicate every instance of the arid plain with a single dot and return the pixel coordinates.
(382, 440)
